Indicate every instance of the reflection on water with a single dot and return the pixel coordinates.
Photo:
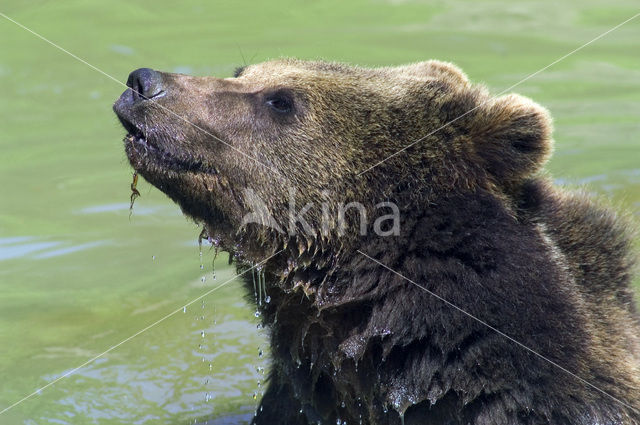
(22, 246)
(69, 249)
(29, 246)
(229, 420)
(123, 207)
(609, 183)
(183, 69)
(581, 181)
(123, 50)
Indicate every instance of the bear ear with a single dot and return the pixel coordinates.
(511, 137)
(433, 69)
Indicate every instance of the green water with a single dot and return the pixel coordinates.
(77, 276)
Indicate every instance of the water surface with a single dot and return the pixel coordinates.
(78, 276)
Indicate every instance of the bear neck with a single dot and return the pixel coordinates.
(337, 313)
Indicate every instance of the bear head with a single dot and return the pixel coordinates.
(322, 134)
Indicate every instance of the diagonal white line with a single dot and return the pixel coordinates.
(499, 94)
(91, 360)
(499, 332)
(152, 100)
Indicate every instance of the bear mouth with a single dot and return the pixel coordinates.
(147, 154)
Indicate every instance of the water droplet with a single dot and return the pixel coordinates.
(203, 279)
(255, 396)
(201, 266)
(339, 421)
(199, 346)
(342, 404)
(153, 257)
(260, 353)
(267, 299)
(210, 366)
(184, 309)
(202, 334)
(259, 326)
(257, 313)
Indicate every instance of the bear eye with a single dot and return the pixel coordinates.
(280, 103)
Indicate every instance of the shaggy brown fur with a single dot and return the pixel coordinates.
(352, 341)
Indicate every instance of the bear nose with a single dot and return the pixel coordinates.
(145, 84)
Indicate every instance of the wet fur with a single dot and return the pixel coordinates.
(352, 341)
(380, 347)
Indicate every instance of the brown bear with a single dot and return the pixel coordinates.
(480, 294)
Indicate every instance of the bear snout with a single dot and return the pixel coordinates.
(145, 84)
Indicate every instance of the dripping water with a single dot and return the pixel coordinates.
(260, 285)
(213, 263)
(253, 276)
